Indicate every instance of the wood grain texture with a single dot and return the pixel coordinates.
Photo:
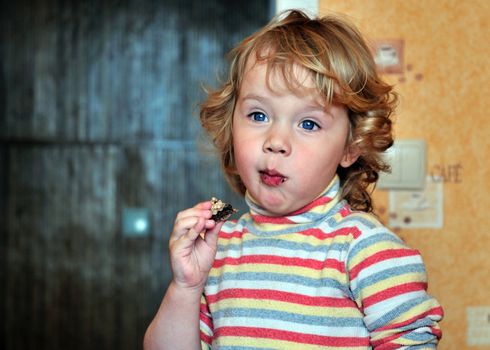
(98, 105)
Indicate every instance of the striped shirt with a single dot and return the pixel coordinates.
(325, 277)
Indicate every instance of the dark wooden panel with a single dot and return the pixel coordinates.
(3, 237)
(67, 257)
(62, 230)
(97, 104)
(116, 70)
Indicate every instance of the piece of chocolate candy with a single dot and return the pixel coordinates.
(221, 210)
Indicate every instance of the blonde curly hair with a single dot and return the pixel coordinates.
(338, 58)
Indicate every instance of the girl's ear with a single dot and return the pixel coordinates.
(351, 153)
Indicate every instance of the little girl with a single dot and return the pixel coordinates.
(300, 125)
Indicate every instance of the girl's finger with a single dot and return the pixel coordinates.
(196, 230)
(199, 208)
(191, 227)
(183, 225)
(211, 236)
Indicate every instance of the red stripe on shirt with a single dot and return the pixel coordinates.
(317, 202)
(318, 233)
(205, 315)
(294, 337)
(390, 346)
(206, 338)
(387, 342)
(434, 311)
(314, 232)
(288, 297)
(233, 234)
(206, 319)
(394, 291)
(282, 261)
(381, 256)
(277, 220)
(437, 332)
(345, 211)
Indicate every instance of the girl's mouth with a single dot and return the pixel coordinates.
(272, 177)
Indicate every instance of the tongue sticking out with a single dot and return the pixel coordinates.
(272, 179)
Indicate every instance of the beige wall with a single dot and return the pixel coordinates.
(445, 99)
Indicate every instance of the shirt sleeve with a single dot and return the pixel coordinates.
(388, 282)
(205, 325)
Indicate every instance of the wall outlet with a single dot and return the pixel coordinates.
(478, 325)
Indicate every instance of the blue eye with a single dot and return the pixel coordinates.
(309, 125)
(258, 116)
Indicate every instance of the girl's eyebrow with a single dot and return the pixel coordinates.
(312, 107)
(254, 97)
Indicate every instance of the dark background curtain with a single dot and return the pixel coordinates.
(98, 105)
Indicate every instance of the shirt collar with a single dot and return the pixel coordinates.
(326, 204)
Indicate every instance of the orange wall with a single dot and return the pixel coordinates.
(445, 99)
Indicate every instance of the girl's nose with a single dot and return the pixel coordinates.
(277, 142)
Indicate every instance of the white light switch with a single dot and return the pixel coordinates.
(408, 159)
(478, 325)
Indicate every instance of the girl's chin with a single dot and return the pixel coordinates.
(276, 203)
(281, 203)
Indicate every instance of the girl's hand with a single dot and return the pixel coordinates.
(192, 255)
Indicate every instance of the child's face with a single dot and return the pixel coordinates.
(287, 145)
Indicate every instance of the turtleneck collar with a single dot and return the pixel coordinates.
(260, 221)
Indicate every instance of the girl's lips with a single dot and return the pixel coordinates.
(272, 177)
